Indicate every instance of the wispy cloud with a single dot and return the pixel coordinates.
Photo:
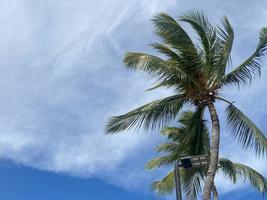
(62, 77)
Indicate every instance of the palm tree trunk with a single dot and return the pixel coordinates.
(215, 193)
(214, 152)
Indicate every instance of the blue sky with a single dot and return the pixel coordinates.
(62, 77)
(25, 183)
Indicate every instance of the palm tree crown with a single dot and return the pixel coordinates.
(197, 73)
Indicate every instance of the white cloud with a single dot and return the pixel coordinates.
(62, 76)
(58, 85)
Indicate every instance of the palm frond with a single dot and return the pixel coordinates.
(248, 174)
(150, 115)
(162, 161)
(167, 147)
(197, 133)
(205, 31)
(171, 32)
(192, 136)
(165, 185)
(167, 51)
(245, 131)
(171, 82)
(158, 85)
(241, 172)
(245, 73)
(174, 134)
(175, 36)
(155, 66)
(227, 168)
(227, 37)
(192, 180)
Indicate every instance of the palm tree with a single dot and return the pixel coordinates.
(193, 139)
(198, 73)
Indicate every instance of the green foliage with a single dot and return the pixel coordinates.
(167, 51)
(163, 70)
(227, 168)
(245, 131)
(241, 172)
(227, 38)
(193, 180)
(165, 185)
(206, 33)
(150, 115)
(197, 71)
(190, 138)
(162, 161)
(187, 140)
(245, 73)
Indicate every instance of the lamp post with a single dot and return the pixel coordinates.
(177, 181)
(187, 162)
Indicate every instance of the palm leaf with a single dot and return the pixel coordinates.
(198, 137)
(206, 33)
(245, 131)
(167, 147)
(155, 66)
(171, 82)
(166, 50)
(171, 32)
(241, 172)
(165, 185)
(227, 38)
(252, 66)
(162, 161)
(192, 180)
(248, 174)
(150, 115)
(174, 134)
(175, 36)
(227, 168)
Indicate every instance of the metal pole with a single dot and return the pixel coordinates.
(177, 182)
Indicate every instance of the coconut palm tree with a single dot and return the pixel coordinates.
(192, 138)
(197, 71)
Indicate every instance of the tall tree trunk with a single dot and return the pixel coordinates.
(215, 193)
(214, 152)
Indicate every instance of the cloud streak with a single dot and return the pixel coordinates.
(62, 77)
